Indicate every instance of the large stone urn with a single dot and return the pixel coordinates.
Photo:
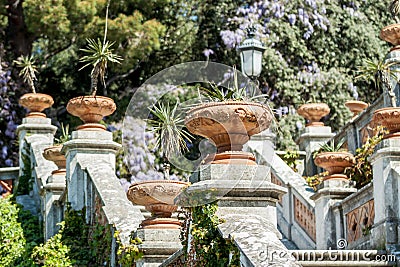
(390, 119)
(356, 106)
(334, 163)
(36, 103)
(158, 198)
(229, 125)
(91, 110)
(53, 153)
(313, 112)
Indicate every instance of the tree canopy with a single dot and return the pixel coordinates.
(313, 49)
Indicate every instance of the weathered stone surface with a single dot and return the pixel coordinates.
(257, 240)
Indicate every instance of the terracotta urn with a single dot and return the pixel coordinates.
(390, 119)
(229, 125)
(158, 198)
(356, 106)
(53, 153)
(36, 103)
(334, 163)
(313, 112)
(391, 34)
(91, 110)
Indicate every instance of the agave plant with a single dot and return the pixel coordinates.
(28, 70)
(235, 93)
(65, 135)
(330, 147)
(171, 136)
(99, 54)
(377, 72)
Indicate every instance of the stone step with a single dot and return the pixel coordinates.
(344, 258)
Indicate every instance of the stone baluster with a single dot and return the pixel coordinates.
(329, 192)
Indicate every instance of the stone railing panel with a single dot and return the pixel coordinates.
(305, 217)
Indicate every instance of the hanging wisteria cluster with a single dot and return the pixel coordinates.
(260, 14)
(9, 117)
(314, 48)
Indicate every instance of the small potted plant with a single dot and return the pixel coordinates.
(53, 153)
(34, 102)
(334, 159)
(92, 108)
(229, 119)
(158, 195)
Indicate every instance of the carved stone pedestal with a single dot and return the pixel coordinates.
(157, 246)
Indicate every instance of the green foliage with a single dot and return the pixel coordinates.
(378, 73)
(65, 135)
(211, 249)
(12, 241)
(291, 159)
(128, 254)
(315, 180)
(99, 54)
(361, 171)
(75, 236)
(25, 183)
(168, 125)
(331, 147)
(54, 253)
(28, 70)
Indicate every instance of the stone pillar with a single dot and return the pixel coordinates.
(386, 181)
(85, 145)
(158, 245)
(329, 192)
(311, 140)
(33, 125)
(245, 195)
(54, 188)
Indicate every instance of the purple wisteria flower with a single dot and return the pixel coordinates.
(292, 19)
(207, 52)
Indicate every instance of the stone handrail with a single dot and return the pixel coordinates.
(118, 210)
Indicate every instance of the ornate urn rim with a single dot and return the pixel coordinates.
(334, 162)
(36, 103)
(91, 110)
(391, 34)
(388, 117)
(313, 112)
(161, 209)
(53, 153)
(148, 194)
(356, 106)
(229, 124)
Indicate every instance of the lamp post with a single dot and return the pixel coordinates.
(251, 52)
